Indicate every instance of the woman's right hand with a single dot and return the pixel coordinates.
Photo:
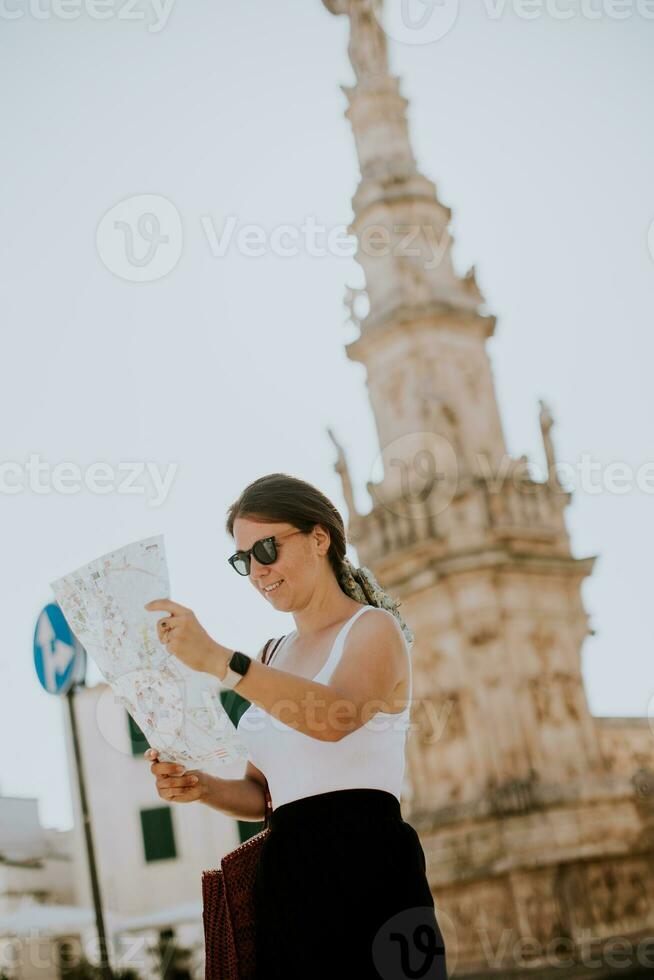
(175, 783)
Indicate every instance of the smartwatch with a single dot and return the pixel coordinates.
(237, 668)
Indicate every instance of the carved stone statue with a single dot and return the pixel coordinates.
(367, 48)
(342, 469)
(546, 423)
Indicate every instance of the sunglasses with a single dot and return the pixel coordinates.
(264, 550)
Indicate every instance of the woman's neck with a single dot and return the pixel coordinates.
(324, 611)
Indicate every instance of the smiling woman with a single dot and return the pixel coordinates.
(341, 881)
(341, 877)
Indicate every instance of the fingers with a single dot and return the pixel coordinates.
(183, 790)
(165, 605)
(179, 782)
(163, 768)
(182, 796)
(166, 769)
(173, 781)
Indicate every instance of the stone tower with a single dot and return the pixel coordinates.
(536, 817)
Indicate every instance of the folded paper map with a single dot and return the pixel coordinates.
(178, 710)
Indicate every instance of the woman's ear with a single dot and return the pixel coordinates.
(322, 538)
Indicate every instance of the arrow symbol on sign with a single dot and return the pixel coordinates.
(56, 656)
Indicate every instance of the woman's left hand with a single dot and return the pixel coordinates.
(183, 636)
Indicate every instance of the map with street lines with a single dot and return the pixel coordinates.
(178, 710)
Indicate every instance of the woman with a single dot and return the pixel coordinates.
(341, 888)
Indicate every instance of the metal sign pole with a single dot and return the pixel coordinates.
(95, 885)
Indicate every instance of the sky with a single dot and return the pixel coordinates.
(536, 128)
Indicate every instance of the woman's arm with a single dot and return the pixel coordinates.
(373, 663)
(241, 798)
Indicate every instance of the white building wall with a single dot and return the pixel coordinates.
(118, 786)
(35, 869)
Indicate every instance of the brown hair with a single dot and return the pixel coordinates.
(289, 500)
(284, 498)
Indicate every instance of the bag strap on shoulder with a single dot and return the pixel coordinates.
(265, 658)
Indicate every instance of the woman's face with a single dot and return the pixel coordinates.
(296, 568)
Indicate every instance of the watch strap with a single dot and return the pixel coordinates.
(233, 677)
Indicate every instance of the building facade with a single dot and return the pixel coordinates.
(150, 854)
(35, 877)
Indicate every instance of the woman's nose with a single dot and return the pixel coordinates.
(257, 570)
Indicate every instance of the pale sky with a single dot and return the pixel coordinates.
(538, 135)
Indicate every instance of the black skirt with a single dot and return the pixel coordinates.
(341, 893)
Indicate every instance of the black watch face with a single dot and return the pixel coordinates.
(239, 662)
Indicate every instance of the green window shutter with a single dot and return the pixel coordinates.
(158, 833)
(234, 705)
(137, 739)
(248, 828)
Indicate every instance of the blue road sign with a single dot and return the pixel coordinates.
(58, 656)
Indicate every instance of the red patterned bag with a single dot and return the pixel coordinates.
(228, 904)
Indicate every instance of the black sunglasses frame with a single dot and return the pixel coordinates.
(265, 559)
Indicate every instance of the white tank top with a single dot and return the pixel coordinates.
(297, 765)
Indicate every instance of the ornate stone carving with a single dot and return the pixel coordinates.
(543, 641)
(413, 281)
(512, 796)
(394, 392)
(556, 698)
(543, 915)
(626, 745)
(470, 284)
(616, 892)
(482, 635)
